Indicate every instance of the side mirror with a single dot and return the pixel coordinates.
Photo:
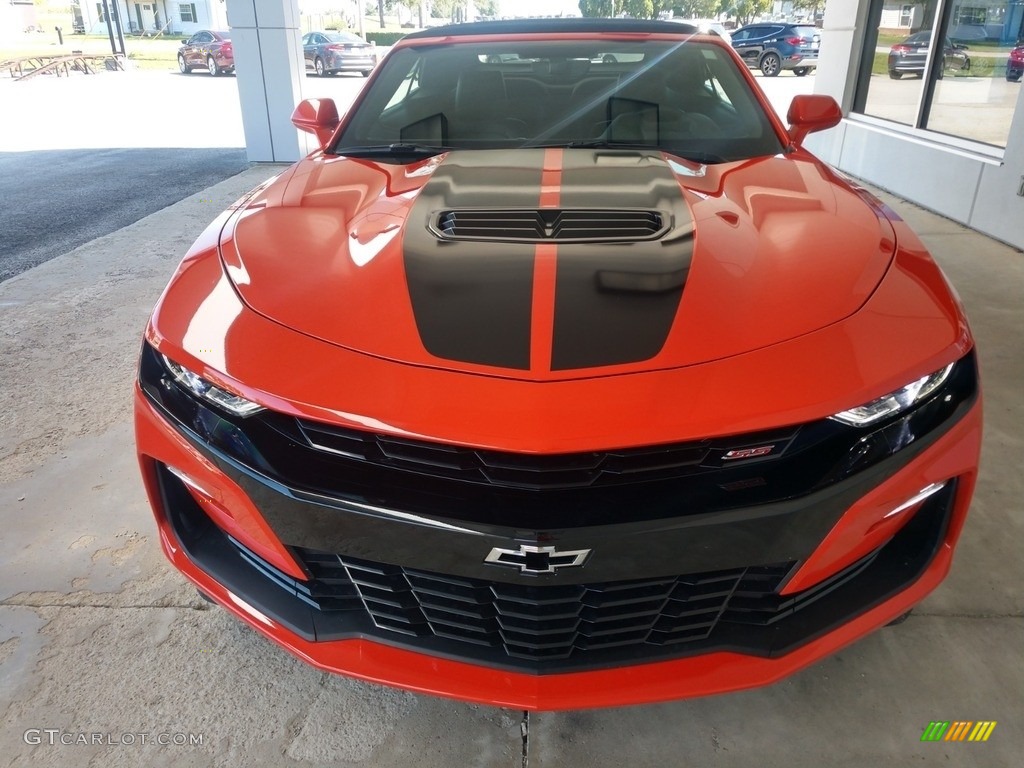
(317, 116)
(809, 113)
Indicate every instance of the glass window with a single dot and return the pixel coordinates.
(188, 12)
(958, 87)
(407, 88)
(689, 100)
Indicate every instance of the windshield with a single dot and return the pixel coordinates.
(687, 98)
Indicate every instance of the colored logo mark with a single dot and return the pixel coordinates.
(959, 730)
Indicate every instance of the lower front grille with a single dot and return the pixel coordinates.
(553, 628)
(536, 622)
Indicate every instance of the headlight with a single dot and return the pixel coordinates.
(894, 402)
(203, 389)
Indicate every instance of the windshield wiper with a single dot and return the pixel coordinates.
(609, 144)
(399, 149)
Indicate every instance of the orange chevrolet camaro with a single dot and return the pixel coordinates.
(561, 375)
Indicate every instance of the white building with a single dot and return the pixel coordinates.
(151, 16)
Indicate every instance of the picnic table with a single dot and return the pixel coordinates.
(24, 67)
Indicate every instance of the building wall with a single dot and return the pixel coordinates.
(974, 184)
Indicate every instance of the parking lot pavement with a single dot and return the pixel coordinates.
(98, 635)
(780, 90)
(65, 198)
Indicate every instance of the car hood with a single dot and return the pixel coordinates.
(556, 264)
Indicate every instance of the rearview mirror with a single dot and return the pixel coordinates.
(809, 113)
(317, 116)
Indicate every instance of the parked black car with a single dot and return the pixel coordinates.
(908, 57)
(773, 47)
(328, 53)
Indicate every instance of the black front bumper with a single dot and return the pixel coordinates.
(688, 550)
(546, 628)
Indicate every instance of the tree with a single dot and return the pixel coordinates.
(746, 11)
(599, 8)
(638, 9)
(696, 9)
(457, 10)
(487, 7)
(811, 6)
(445, 9)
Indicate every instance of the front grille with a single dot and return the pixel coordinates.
(534, 471)
(582, 226)
(537, 622)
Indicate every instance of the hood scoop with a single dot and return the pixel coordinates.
(549, 225)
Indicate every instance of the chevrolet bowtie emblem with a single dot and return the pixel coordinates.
(530, 559)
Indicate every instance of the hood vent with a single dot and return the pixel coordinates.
(550, 225)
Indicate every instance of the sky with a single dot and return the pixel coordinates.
(539, 7)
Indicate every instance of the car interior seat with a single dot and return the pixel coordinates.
(482, 108)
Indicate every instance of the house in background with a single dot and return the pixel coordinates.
(151, 16)
(995, 20)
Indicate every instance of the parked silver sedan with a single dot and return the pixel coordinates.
(328, 53)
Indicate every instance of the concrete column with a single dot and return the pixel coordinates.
(266, 37)
(842, 40)
(842, 37)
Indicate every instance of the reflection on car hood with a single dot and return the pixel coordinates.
(420, 263)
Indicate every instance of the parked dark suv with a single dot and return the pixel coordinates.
(773, 47)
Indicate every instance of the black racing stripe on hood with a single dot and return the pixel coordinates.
(472, 300)
(615, 303)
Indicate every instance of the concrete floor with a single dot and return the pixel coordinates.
(98, 635)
